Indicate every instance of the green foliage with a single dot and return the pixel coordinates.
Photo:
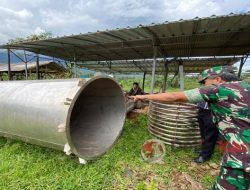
(127, 83)
(33, 37)
(26, 166)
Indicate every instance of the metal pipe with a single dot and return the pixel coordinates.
(84, 117)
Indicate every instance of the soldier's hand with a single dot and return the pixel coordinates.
(136, 98)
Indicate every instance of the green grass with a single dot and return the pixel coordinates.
(26, 166)
(127, 83)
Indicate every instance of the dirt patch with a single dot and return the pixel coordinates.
(183, 181)
(140, 178)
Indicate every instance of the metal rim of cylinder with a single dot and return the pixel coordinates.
(68, 133)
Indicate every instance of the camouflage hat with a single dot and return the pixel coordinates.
(215, 71)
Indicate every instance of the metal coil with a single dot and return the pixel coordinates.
(174, 123)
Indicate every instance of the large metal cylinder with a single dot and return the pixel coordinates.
(84, 117)
(174, 123)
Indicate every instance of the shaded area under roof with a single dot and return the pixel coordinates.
(212, 36)
(140, 66)
(44, 66)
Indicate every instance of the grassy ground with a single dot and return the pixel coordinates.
(25, 166)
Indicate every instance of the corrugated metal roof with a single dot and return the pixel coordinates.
(49, 67)
(211, 36)
(139, 66)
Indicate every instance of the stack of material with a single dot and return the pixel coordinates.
(174, 123)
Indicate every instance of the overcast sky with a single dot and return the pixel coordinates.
(21, 18)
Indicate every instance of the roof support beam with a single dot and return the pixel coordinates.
(17, 56)
(242, 62)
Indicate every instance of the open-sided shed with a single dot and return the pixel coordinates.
(190, 65)
(213, 36)
(22, 70)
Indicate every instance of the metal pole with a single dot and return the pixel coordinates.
(153, 70)
(75, 70)
(26, 67)
(242, 62)
(75, 61)
(71, 69)
(181, 74)
(37, 67)
(143, 82)
(165, 77)
(9, 66)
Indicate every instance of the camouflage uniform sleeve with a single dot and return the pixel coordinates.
(209, 94)
(194, 95)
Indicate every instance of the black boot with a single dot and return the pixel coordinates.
(201, 159)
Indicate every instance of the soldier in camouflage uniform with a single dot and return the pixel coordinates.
(230, 104)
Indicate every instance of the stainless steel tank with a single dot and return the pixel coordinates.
(174, 123)
(74, 115)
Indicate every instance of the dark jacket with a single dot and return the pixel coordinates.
(133, 92)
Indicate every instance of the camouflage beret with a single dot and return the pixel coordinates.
(215, 71)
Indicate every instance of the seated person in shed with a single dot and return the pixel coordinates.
(136, 90)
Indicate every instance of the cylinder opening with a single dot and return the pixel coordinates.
(97, 117)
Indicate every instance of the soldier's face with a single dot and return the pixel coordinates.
(210, 81)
